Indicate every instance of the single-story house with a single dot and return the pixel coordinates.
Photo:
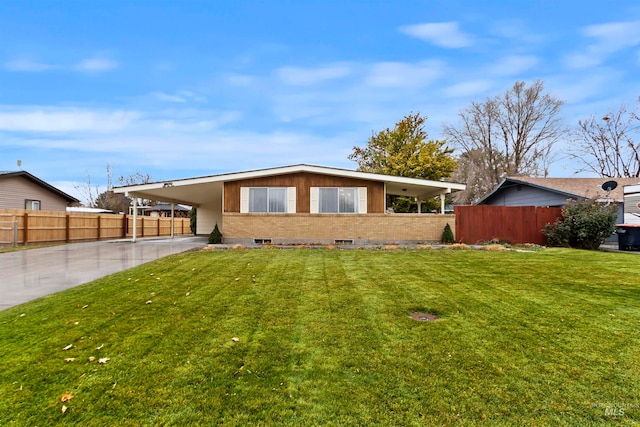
(21, 190)
(554, 192)
(163, 210)
(304, 204)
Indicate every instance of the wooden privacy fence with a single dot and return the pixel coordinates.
(512, 224)
(52, 227)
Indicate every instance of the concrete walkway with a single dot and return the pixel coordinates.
(33, 273)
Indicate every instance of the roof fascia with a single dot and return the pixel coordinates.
(236, 176)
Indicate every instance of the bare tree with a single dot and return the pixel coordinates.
(606, 146)
(90, 193)
(136, 179)
(472, 171)
(96, 197)
(510, 134)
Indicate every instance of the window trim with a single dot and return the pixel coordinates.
(289, 199)
(360, 201)
(28, 204)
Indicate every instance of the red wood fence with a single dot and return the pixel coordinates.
(512, 224)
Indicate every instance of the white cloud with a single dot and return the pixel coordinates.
(614, 36)
(242, 80)
(468, 89)
(298, 76)
(64, 120)
(443, 34)
(402, 74)
(95, 65)
(180, 97)
(513, 65)
(608, 39)
(161, 96)
(28, 65)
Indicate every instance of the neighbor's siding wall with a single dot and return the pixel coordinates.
(303, 182)
(323, 228)
(631, 213)
(16, 189)
(523, 195)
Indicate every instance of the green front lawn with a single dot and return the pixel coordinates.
(325, 337)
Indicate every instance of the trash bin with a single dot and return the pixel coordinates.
(628, 237)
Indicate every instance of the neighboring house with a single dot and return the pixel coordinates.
(82, 209)
(554, 192)
(163, 210)
(631, 204)
(21, 190)
(304, 203)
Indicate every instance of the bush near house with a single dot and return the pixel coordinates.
(447, 235)
(193, 220)
(585, 224)
(216, 236)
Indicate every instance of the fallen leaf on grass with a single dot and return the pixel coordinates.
(100, 348)
(23, 314)
(70, 359)
(103, 360)
(235, 339)
(85, 306)
(65, 397)
(68, 347)
(63, 409)
(188, 293)
(91, 359)
(149, 302)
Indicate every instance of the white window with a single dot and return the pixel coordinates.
(338, 200)
(33, 205)
(267, 199)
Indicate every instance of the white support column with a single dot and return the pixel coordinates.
(135, 218)
(442, 197)
(419, 204)
(172, 218)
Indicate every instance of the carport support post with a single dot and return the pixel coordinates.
(442, 197)
(135, 219)
(172, 218)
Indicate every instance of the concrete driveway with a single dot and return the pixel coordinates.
(33, 273)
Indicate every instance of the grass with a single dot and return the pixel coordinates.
(325, 338)
(7, 248)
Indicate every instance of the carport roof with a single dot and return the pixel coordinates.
(196, 191)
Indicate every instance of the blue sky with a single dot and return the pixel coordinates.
(180, 89)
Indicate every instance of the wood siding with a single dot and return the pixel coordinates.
(15, 190)
(303, 182)
(512, 224)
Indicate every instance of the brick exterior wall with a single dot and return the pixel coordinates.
(326, 228)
